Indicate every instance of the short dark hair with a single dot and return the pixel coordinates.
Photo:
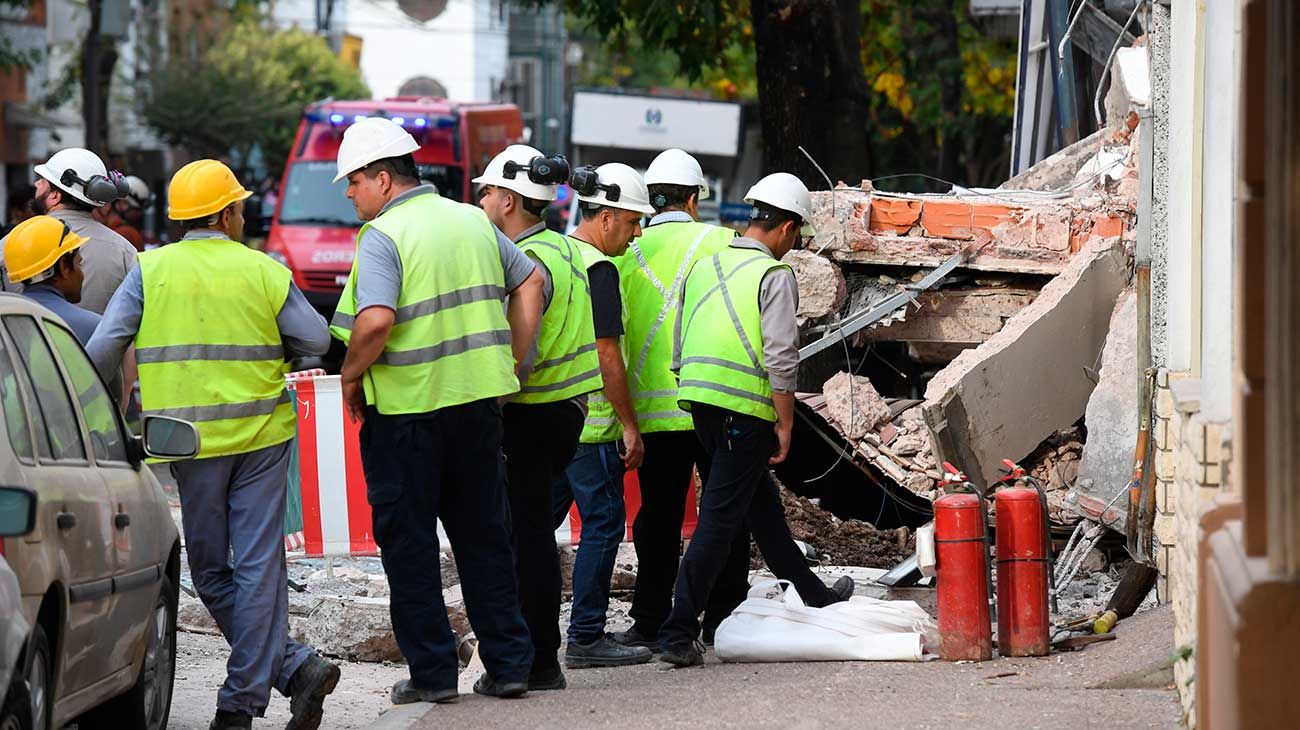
(72, 202)
(532, 206)
(591, 210)
(770, 218)
(206, 221)
(68, 258)
(664, 196)
(401, 169)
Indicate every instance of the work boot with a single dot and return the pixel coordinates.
(226, 720)
(405, 692)
(843, 588)
(308, 687)
(604, 652)
(542, 680)
(504, 690)
(683, 655)
(635, 637)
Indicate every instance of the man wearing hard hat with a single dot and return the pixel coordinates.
(69, 186)
(213, 323)
(543, 422)
(652, 278)
(613, 201)
(126, 214)
(43, 254)
(736, 351)
(431, 349)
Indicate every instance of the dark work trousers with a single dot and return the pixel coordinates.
(540, 441)
(445, 464)
(739, 492)
(665, 476)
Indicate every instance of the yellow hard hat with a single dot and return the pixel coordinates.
(202, 188)
(36, 244)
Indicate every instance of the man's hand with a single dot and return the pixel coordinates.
(354, 400)
(633, 448)
(782, 443)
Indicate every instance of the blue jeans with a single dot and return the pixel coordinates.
(594, 479)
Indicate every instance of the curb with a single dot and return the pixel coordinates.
(401, 717)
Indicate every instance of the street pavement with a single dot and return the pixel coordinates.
(1006, 694)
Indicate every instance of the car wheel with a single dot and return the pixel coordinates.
(39, 673)
(16, 714)
(147, 705)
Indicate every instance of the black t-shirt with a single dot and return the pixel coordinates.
(606, 302)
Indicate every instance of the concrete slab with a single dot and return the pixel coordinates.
(1112, 416)
(1001, 399)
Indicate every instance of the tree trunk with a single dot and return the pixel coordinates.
(811, 88)
(98, 57)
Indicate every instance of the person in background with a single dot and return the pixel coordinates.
(18, 207)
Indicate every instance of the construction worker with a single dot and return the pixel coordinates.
(69, 186)
(213, 323)
(42, 253)
(543, 422)
(431, 349)
(735, 348)
(613, 200)
(652, 277)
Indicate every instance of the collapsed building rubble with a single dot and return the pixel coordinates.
(1000, 355)
(840, 542)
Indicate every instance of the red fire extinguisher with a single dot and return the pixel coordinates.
(962, 571)
(1024, 553)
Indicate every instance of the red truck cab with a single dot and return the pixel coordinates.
(315, 227)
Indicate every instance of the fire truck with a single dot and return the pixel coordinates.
(314, 230)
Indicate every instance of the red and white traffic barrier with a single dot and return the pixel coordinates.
(335, 512)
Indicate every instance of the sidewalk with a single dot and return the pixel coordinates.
(1006, 694)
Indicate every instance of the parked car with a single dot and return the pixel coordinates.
(99, 570)
(17, 517)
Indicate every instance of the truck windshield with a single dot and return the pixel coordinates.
(310, 199)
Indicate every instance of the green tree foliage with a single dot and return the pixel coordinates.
(11, 57)
(248, 90)
(941, 90)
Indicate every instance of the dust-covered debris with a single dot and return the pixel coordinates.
(1056, 464)
(843, 542)
(854, 405)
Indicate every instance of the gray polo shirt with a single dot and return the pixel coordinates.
(778, 300)
(379, 267)
(303, 331)
(106, 258)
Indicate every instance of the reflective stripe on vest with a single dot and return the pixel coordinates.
(602, 424)
(566, 365)
(652, 277)
(722, 334)
(209, 348)
(450, 342)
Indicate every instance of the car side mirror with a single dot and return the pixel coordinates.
(17, 511)
(170, 438)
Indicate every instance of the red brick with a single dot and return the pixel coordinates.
(1106, 226)
(990, 215)
(894, 215)
(947, 219)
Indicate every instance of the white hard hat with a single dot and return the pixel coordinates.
(632, 193)
(83, 163)
(520, 154)
(139, 196)
(786, 192)
(676, 167)
(370, 140)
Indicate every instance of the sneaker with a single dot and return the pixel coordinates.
(226, 720)
(543, 680)
(505, 690)
(843, 588)
(308, 688)
(405, 692)
(635, 637)
(683, 655)
(604, 652)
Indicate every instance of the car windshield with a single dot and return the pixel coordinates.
(310, 199)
